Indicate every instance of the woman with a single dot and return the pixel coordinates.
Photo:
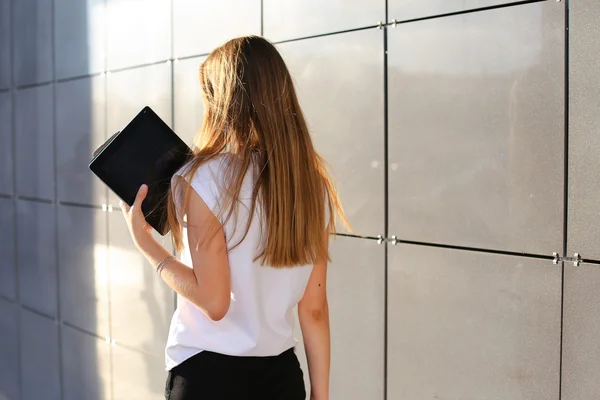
(251, 212)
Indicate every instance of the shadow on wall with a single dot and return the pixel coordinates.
(60, 230)
(82, 226)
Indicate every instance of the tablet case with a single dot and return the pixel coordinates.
(148, 152)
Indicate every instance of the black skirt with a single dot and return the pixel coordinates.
(212, 376)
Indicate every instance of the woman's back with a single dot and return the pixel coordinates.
(260, 319)
(251, 213)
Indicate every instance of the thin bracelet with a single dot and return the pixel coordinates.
(166, 260)
(161, 265)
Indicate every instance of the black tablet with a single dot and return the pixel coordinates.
(145, 151)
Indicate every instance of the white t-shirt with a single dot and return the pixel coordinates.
(260, 320)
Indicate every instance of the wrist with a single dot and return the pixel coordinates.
(152, 250)
(147, 244)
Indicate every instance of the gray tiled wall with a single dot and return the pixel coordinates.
(201, 33)
(487, 89)
(581, 357)
(444, 122)
(32, 47)
(356, 87)
(486, 325)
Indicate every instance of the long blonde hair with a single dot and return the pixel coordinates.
(252, 112)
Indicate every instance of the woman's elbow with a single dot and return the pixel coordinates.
(216, 316)
(313, 312)
(218, 309)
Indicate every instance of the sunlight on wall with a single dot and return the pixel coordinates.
(96, 17)
(136, 32)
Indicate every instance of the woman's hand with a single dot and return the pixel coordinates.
(140, 230)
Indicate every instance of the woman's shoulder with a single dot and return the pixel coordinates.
(206, 179)
(210, 169)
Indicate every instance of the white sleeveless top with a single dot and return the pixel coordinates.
(260, 320)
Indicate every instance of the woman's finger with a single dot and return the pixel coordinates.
(141, 195)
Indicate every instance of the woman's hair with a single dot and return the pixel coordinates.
(252, 113)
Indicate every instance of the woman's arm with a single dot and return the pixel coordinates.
(207, 284)
(313, 313)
